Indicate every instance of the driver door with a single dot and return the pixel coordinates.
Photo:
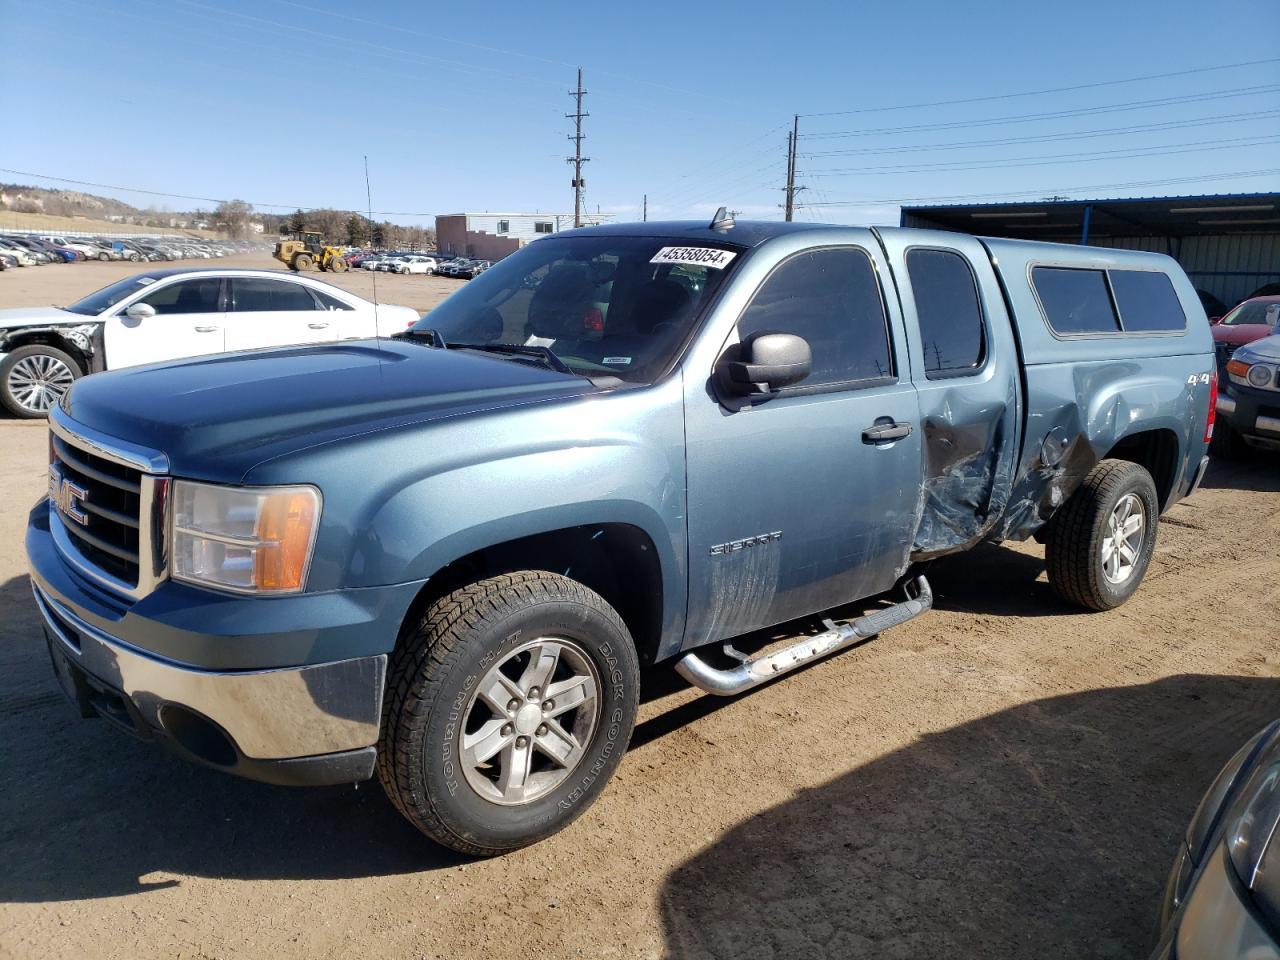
(188, 322)
(803, 500)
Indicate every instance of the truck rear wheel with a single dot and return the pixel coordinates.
(508, 707)
(301, 262)
(1101, 541)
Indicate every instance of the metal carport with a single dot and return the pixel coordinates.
(1229, 244)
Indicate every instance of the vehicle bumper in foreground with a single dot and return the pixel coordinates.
(315, 721)
(1254, 414)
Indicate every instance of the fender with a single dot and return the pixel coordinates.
(82, 338)
(430, 494)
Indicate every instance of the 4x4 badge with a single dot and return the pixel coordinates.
(68, 497)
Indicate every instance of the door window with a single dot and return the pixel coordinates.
(200, 295)
(948, 311)
(831, 298)
(261, 294)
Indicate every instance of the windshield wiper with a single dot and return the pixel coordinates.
(427, 333)
(517, 351)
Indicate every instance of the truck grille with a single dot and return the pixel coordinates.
(103, 523)
(107, 515)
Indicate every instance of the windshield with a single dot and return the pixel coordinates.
(617, 306)
(107, 297)
(1254, 311)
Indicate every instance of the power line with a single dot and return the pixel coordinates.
(1044, 191)
(1194, 146)
(1215, 120)
(1051, 115)
(1036, 93)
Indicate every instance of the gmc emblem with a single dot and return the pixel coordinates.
(68, 497)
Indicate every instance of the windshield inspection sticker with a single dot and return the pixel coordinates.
(695, 256)
(617, 361)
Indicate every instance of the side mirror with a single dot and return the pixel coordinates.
(140, 311)
(764, 362)
(1214, 321)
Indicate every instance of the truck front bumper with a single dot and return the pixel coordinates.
(305, 723)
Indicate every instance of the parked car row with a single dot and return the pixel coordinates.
(462, 268)
(24, 250)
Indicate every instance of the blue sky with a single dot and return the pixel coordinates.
(461, 106)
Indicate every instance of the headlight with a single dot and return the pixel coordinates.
(244, 539)
(1259, 375)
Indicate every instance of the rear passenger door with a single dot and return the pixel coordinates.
(965, 365)
(267, 312)
(796, 503)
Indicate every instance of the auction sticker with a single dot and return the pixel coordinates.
(695, 256)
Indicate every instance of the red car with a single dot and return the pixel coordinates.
(1250, 321)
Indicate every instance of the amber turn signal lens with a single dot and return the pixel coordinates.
(1238, 368)
(284, 530)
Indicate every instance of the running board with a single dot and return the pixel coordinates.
(753, 672)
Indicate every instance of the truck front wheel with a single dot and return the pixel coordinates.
(1100, 542)
(508, 707)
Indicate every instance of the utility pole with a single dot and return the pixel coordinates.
(645, 215)
(577, 159)
(792, 137)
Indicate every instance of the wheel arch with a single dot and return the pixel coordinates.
(51, 337)
(619, 561)
(1157, 451)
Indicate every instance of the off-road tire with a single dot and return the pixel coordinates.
(1074, 545)
(435, 669)
(301, 263)
(337, 265)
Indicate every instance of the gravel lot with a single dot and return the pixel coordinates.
(1003, 778)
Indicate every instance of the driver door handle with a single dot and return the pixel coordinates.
(885, 430)
(317, 326)
(201, 329)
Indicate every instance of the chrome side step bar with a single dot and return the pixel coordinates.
(753, 672)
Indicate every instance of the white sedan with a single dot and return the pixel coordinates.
(171, 314)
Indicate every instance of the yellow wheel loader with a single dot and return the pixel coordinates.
(306, 250)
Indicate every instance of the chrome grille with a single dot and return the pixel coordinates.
(106, 512)
(100, 508)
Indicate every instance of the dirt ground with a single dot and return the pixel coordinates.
(1002, 778)
(67, 282)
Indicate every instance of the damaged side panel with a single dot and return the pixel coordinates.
(82, 338)
(1080, 413)
(969, 418)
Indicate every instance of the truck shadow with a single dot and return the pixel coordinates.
(88, 812)
(1257, 470)
(1042, 830)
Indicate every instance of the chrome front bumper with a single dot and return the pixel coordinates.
(269, 715)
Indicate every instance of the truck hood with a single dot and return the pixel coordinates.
(217, 417)
(40, 317)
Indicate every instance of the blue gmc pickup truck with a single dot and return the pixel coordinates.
(443, 558)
